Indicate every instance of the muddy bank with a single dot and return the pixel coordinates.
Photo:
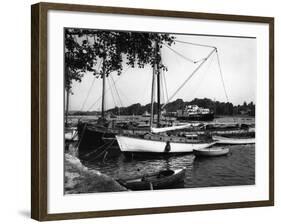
(79, 179)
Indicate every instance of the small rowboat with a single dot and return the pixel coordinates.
(159, 180)
(233, 141)
(214, 151)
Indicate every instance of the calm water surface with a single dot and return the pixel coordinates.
(236, 168)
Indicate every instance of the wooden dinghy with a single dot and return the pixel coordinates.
(233, 141)
(214, 151)
(159, 180)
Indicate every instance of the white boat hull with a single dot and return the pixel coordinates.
(233, 141)
(71, 135)
(132, 144)
(211, 151)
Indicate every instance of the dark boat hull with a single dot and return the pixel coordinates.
(155, 181)
(92, 137)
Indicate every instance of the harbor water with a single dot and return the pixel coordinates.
(236, 168)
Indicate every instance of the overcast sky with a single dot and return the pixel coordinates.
(238, 64)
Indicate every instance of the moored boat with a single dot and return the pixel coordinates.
(213, 151)
(159, 180)
(71, 134)
(195, 113)
(233, 141)
(146, 114)
(159, 144)
(94, 136)
(155, 141)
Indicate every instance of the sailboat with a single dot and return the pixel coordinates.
(159, 140)
(101, 133)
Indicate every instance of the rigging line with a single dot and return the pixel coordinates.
(179, 54)
(116, 91)
(92, 106)
(199, 60)
(222, 76)
(119, 78)
(125, 96)
(163, 98)
(195, 44)
(147, 82)
(163, 93)
(184, 57)
(202, 80)
(164, 84)
(119, 92)
(111, 91)
(90, 89)
(166, 87)
(189, 77)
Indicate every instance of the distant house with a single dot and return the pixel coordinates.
(245, 112)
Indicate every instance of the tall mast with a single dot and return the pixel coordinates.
(103, 89)
(152, 96)
(155, 73)
(67, 99)
(67, 106)
(158, 86)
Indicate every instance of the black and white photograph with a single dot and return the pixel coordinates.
(158, 111)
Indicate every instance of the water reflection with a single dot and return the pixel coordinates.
(236, 168)
(123, 167)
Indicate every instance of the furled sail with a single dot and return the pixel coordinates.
(158, 130)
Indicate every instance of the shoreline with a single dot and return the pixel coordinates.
(79, 179)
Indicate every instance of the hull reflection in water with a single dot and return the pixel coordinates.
(124, 168)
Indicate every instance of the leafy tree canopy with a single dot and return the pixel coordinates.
(85, 49)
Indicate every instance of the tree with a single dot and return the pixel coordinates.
(85, 48)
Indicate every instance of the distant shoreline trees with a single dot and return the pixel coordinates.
(219, 108)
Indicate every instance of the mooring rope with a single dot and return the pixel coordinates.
(103, 151)
(90, 153)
